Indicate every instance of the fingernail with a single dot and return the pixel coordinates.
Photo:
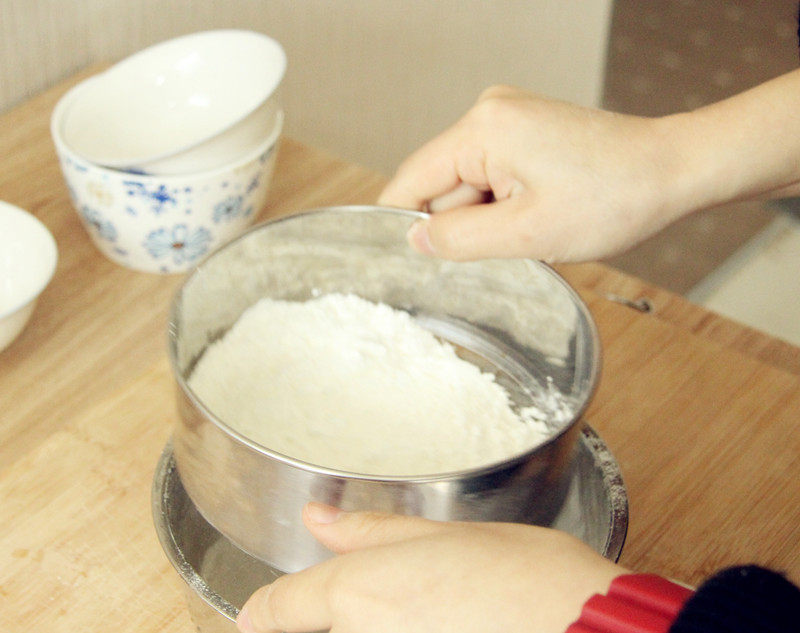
(419, 239)
(243, 622)
(322, 513)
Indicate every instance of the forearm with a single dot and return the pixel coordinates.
(747, 146)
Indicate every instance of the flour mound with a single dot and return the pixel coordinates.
(352, 385)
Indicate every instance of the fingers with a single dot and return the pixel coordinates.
(462, 196)
(428, 173)
(348, 531)
(293, 603)
(301, 601)
(482, 231)
(440, 167)
(457, 156)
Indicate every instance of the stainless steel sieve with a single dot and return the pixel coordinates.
(515, 318)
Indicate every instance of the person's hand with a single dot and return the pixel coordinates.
(523, 176)
(397, 574)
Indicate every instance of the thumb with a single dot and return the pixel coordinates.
(343, 532)
(497, 229)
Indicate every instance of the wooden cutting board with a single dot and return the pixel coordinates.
(702, 415)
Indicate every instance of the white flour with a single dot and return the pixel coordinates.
(348, 384)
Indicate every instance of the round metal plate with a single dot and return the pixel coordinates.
(219, 576)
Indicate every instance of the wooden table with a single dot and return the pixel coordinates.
(702, 414)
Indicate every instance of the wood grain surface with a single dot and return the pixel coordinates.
(700, 412)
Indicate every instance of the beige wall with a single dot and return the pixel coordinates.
(368, 79)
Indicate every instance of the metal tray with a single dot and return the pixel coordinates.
(219, 577)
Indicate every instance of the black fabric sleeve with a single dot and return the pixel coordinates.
(741, 599)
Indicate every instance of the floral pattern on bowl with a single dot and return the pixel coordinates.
(166, 224)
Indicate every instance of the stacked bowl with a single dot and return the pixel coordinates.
(170, 152)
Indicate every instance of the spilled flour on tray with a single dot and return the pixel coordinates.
(345, 383)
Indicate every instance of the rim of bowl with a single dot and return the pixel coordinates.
(131, 60)
(56, 119)
(583, 309)
(47, 243)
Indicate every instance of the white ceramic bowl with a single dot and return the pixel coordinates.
(172, 96)
(28, 256)
(237, 141)
(165, 224)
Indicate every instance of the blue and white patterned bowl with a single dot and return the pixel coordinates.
(165, 224)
